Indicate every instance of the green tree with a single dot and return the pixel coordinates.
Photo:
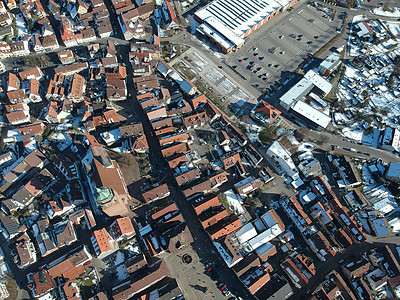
(364, 94)
(267, 135)
(390, 82)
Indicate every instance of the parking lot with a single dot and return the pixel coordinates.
(217, 81)
(282, 43)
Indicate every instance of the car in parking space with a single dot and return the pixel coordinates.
(282, 52)
(255, 49)
(241, 60)
(281, 36)
(261, 57)
(269, 65)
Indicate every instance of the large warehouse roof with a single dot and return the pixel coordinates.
(237, 16)
(226, 40)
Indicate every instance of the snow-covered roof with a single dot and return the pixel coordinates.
(311, 114)
(320, 82)
(234, 17)
(268, 219)
(364, 29)
(385, 205)
(234, 201)
(262, 238)
(226, 40)
(330, 61)
(298, 91)
(246, 233)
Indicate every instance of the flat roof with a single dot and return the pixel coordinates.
(235, 17)
(311, 114)
(380, 227)
(320, 82)
(298, 91)
(394, 170)
(330, 61)
(227, 40)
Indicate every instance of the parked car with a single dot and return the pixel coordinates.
(221, 286)
(212, 273)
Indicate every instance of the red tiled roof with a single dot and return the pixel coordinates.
(125, 225)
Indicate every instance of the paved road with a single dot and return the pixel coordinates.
(329, 139)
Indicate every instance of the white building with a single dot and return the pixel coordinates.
(282, 160)
(246, 233)
(298, 91)
(319, 82)
(318, 119)
(229, 22)
(330, 64)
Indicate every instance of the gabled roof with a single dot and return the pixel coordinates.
(31, 73)
(67, 236)
(155, 193)
(70, 268)
(103, 239)
(43, 282)
(125, 225)
(13, 81)
(268, 111)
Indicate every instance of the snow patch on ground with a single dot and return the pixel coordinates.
(199, 61)
(393, 14)
(359, 18)
(353, 132)
(304, 147)
(239, 95)
(292, 139)
(214, 75)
